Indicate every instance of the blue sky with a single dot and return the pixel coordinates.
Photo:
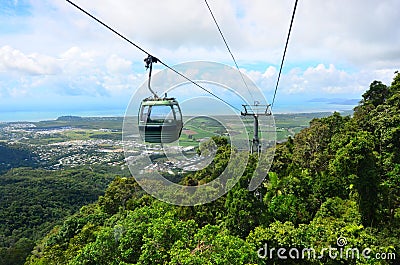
(54, 60)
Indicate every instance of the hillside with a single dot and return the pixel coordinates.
(333, 190)
(12, 156)
(68, 155)
(32, 201)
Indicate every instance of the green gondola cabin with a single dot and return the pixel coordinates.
(160, 120)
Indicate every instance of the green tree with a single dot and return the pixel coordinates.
(212, 245)
(244, 211)
(311, 146)
(356, 161)
(376, 94)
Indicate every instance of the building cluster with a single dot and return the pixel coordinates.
(55, 149)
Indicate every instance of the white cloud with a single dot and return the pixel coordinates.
(77, 61)
(320, 80)
(336, 48)
(328, 79)
(73, 72)
(270, 72)
(358, 33)
(116, 64)
(12, 60)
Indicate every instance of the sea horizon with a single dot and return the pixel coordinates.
(36, 116)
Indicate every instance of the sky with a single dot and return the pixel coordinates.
(55, 60)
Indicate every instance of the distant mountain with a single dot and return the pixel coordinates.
(69, 118)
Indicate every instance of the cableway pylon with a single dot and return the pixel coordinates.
(256, 111)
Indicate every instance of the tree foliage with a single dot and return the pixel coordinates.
(32, 201)
(339, 178)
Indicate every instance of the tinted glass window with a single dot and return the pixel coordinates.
(144, 113)
(161, 113)
(177, 113)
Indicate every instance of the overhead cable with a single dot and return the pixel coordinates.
(148, 54)
(227, 47)
(284, 52)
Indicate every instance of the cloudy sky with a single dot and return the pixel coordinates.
(55, 60)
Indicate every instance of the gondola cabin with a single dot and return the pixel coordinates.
(160, 120)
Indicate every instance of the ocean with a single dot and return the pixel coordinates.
(52, 115)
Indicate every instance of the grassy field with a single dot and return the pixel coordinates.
(112, 123)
